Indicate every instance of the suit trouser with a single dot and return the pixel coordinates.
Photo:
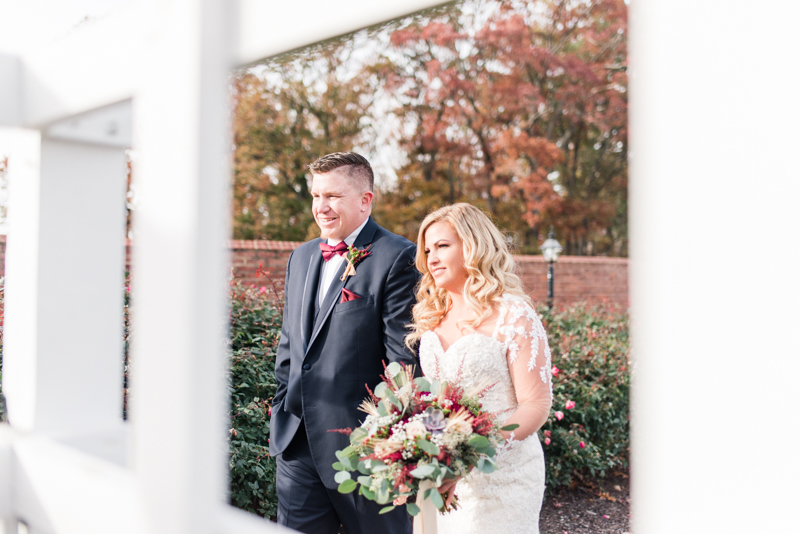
(306, 505)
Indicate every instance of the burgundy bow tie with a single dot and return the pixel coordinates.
(328, 251)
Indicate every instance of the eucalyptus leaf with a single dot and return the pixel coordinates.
(412, 508)
(423, 471)
(486, 467)
(338, 466)
(381, 389)
(365, 480)
(368, 493)
(364, 467)
(423, 384)
(341, 476)
(436, 498)
(393, 399)
(347, 464)
(393, 369)
(351, 462)
(509, 428)
(478, 441)
(347, 486)
(488, 450)
(428, 447)
(386, 509)
(382, 495)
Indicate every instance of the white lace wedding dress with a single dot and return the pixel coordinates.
(508, 500)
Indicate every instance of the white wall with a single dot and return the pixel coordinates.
(714, 271)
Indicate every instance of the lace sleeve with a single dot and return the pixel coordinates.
(528, 355)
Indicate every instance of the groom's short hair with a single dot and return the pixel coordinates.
(357, 168)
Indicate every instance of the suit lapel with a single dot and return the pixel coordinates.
(335, 290)
(310, 292)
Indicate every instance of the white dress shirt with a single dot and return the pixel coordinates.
(331, 267)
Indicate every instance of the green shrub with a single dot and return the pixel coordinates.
(589, 348)
(590, 352)
(2, 322)
(254, 335)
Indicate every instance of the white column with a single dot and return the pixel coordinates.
(180, 266)
(64, 282)
(714, 266)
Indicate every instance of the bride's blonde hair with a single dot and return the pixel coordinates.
(487, 259)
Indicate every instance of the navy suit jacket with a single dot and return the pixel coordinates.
(323, 366)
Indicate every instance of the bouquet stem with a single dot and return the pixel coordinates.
(425, 520)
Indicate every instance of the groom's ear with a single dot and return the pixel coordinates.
(366, 200)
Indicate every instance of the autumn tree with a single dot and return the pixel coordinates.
(287, 113)
(518, 107)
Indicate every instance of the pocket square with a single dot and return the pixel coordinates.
(348, 295)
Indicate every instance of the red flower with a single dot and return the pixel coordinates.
(569, 405)
(581, 445)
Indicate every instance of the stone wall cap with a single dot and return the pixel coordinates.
(570, 259)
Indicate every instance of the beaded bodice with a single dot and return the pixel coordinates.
(477, 358)
(507, 500)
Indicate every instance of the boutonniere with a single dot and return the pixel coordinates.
(353, 257)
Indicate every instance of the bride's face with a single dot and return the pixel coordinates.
(445, 257)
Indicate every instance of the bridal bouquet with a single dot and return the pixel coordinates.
(417, 434)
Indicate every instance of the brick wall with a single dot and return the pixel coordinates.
(577, 278)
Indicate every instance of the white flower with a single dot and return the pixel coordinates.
(459, 425)
(415, 429)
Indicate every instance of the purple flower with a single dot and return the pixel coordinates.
(433, 419)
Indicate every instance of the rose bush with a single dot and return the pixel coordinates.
(588, 431)
(587, 434)
(255, 331)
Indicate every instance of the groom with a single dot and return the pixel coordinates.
(337, 336)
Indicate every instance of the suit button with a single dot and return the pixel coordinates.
(306, 367)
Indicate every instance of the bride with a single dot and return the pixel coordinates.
(474, 323)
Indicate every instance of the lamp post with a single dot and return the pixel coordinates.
(550, 250)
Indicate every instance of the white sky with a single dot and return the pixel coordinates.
(30, 24)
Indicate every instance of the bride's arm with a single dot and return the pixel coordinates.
(529, 365)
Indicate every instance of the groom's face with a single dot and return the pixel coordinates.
(339, 206)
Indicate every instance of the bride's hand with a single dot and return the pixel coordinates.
(448, 491)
